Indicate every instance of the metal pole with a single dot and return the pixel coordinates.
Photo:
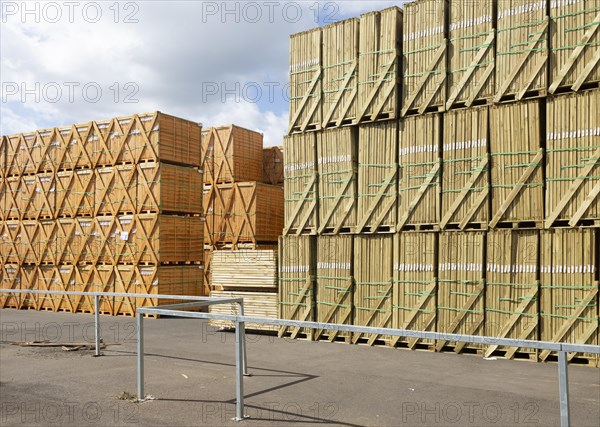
(97, 322)
(242, 326)
(563, 386)
(140, 356)
(239, 375)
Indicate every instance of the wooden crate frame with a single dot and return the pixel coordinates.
(569, 288)
(425, 53)
(37, 198)
(305, 81)
(522, 49)
(574, 53)
(273, 165)
(420, 171)
(10, 242)
(414, 294)
(572, 168)
(115, 190)
(461, 296)
(465, 168)
(379, 65)
(471, 52)
(377, 177)
(301, 184)
(334, 285)
(512, 290)
(373, 285)
(165, 188)
(340, 72)
(516, 162)
(236, 154)
(337, 171)
(10, 279)
(75, 193)
(297, 255)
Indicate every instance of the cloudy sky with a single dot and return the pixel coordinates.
(211, 62)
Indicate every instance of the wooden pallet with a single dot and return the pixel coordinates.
(425, 52)
(516, 162)
(337, 171)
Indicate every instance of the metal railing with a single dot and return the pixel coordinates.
(240, 320)
(240, 352)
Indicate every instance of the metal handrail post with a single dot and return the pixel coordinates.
(239, 374)
(140, 356)
(242, 326)
(97, 322)
(563, 388)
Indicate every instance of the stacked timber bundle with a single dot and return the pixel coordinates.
(465, 181)
(569, 289)
(334, 284)
(297, 255)
(573, 150)
(461, 287)
(471, 52)
(574, 41)
(522, 49)
(83, 202)
(336, 163)
(425, 51)
(243, 212)
(377, 177)
(516, 156)
(340, 73)
(415, 285)
(236, 154)
(512, 290)
(273, 165)
(248, 274)
(305, 81)
(420, 171)
(379, 65)
(373, 261)
(301, 182)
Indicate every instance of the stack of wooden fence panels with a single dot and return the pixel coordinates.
(80, 204)
(453, 193)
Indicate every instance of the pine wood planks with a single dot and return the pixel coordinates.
(569, 288)
(297, 256)
(512, 290)
(258, 304)
(419, 183)
(340, 72)
(465, 180)
(522, 49)
(373, 263)
(337, 171)
(516, 162)
(572, 169)
(471, 52)
(244, 269)
(461, 295)
(415, 284)
(379, 65)
(306, 73)
(425, 52)
(334, 284)
(377, 177)
(574, 43)
(301, 214)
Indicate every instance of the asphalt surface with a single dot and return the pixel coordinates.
(190, 377)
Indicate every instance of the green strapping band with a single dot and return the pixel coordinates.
(518, 52)
(575, 45)
(567, 287)
(379, 51)
(580, 165)
(574, 178)
(413, 309)
(460, 309)
(435, 162)
(332, 304)
(463, 159)
(416, 281)
(337, 288)
(472, 36)
(293, 303)
(590, 304)
(425, 72)
(516, 185)
(374, 283)
(521, 313)
(344, 196)
(458, 190)
(513, 284)
(579, 12)
(293, 73)
(464, 294)
(415, 187)
(527, 24)
(351, 61)
(589, 319)
(371, 309)
(423, 49)
(420, 294)
(474, 282)
(292, 279)
(521, 165)
(580, 148)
